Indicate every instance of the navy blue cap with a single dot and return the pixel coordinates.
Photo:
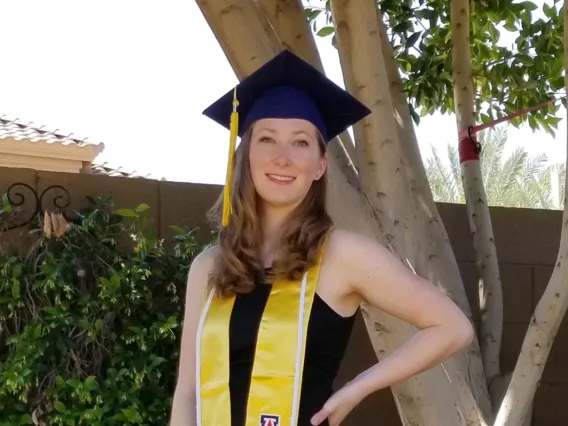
(289, 87)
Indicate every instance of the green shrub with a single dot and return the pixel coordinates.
(89, 326)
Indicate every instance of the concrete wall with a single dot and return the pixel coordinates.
(527, 242)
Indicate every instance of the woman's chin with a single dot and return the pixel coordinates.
(281, 201)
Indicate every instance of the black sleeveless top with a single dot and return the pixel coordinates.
(326, 340)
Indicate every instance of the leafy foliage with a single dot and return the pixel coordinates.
(507, 76)
(89, 323)
(517, 180)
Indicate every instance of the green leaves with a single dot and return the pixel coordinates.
(6, 206)
(89, 328)
(133, 212)
(131, 416)
(325, 31)
(516, 59)
(59, 406)
(410, 41)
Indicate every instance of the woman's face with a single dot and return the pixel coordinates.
(285, 158)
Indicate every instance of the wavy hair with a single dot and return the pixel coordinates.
(238, 263)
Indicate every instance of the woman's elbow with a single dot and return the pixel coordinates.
(462, 332)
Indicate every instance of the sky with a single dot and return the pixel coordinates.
(137, 74)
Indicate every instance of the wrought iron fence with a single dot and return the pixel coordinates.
(22, 204)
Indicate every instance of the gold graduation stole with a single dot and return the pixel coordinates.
(276, 380)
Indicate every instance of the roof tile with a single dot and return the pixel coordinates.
(108, 170)
(13, 129)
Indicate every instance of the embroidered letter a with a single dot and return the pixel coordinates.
(269, 420)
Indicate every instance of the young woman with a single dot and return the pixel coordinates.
(269, 309)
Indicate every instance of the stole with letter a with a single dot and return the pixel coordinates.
(276, 380)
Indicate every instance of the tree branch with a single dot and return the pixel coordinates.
(434, 259)
(381, 167)
(490, 291)
(545, 321)
(384, 178)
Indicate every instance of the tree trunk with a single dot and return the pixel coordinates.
(386, 163)
(381, 167)
(288, 20)
(439, 266)
(545, 321)
(435, 259)
(490, 291)
(221, 16)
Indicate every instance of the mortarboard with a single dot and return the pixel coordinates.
(284, 87)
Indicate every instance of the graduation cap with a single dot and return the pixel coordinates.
(284, 87)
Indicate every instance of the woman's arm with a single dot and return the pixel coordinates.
(383, 281)
(184, 403)
(378, 277)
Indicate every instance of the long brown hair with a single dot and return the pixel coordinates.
(238, 262)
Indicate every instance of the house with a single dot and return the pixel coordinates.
(26, 146)
(29, 147)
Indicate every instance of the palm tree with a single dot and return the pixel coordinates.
(515, 181)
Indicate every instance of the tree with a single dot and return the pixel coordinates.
(404, 217)
(525, 70)
(480, 226)
(517, 180)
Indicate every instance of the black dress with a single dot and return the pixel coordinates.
(327, 337)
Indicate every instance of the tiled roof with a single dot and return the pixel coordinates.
(106, 169)
(13, 129)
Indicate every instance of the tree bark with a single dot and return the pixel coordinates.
(490, 291)
(288, 20)
(439, 265)
(384, 178)
(545, 321)
(435, 259)
(221, 17)
(381, 166)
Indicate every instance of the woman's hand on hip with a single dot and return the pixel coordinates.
(338, 406)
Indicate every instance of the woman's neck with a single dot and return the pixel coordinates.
(272, 222)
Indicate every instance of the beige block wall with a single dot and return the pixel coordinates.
(527, 241)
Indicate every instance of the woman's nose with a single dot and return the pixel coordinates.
(281, 156)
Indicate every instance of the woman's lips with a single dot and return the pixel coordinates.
(280, 179)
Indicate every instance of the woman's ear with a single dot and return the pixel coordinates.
(322, 166)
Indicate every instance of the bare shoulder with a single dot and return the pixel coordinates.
(368, 263)
(201, 267)
(359, 260)
(342, 237)
(206, 258)
(355, 249)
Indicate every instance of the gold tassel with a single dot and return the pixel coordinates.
(230, 164)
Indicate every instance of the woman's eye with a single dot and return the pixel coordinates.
(302, 142)
(266, 139)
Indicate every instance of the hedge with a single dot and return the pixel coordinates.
(90, 321)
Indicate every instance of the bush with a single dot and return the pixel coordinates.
(89, 326)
